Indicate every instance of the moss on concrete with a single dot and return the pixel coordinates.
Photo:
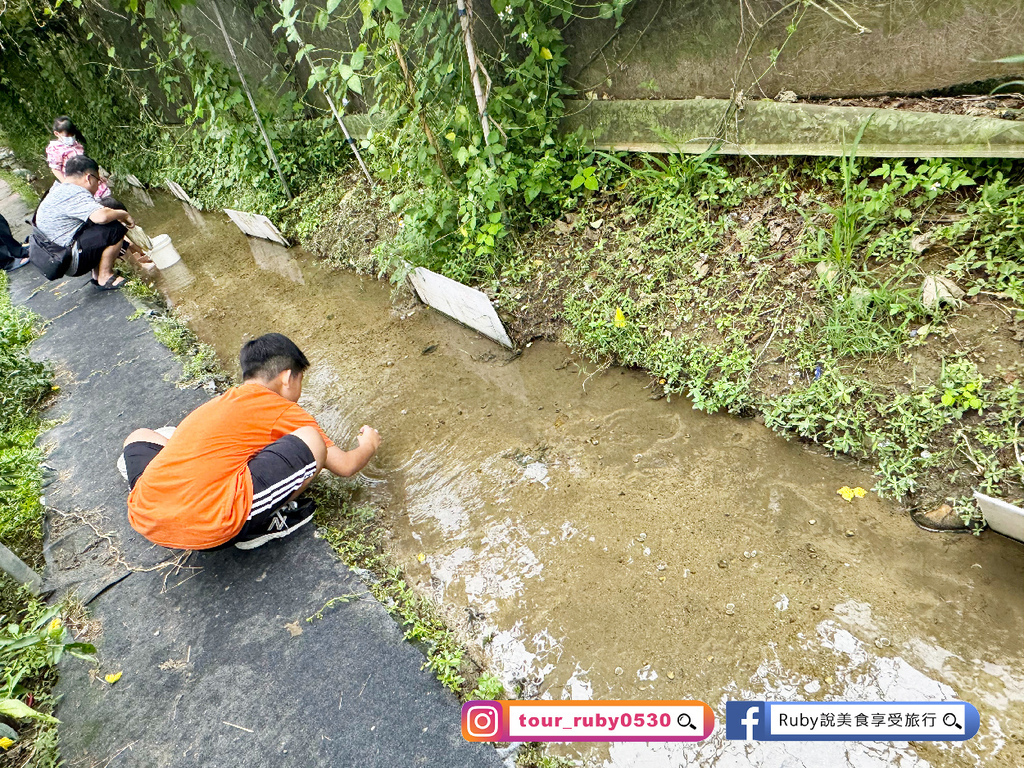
(766, 127)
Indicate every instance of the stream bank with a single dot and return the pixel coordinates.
(589, 541)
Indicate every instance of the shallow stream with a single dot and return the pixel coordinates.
(592, 542)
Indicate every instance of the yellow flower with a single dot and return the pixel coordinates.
(55, 625)
(113, 678)
(859, 492)
(5, 742)
(846, 492)
(421, 557)
(620, 319)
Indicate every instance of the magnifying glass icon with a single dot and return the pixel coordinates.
(686, 721)
(949, 720)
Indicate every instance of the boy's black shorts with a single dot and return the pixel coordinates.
(278, 471)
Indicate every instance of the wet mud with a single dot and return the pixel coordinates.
(590, 541)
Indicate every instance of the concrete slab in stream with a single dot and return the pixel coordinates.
(460, 302)
(220, 667)
(256, 225)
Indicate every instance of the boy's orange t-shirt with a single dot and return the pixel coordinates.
(197, 492)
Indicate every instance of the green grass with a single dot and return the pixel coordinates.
(26, 385)
(28, 667)
(20, 187)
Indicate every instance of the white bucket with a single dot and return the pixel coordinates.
(163, 253)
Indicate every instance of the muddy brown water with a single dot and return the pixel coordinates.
(589, 541)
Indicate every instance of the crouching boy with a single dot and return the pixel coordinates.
(233, 470)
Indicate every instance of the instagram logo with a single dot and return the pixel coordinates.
(481, 721)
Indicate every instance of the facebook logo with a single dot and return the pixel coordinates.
(745, 720)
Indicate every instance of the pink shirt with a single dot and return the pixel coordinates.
(57, 155)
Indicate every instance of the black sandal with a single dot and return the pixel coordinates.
(110, 285)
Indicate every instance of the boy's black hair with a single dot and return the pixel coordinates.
(63, 124)
(79, 165)
(266, 357)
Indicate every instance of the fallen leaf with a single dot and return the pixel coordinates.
(545, 54)
(5, 743)
(113, 678)
(294, 629)
(620, 319)
(596, 223)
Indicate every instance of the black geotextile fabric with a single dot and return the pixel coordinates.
(219, 665)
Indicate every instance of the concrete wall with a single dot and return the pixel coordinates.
(679, 49)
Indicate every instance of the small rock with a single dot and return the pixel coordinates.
(723, 563)
(786, 97)
(942, 518)
(827, 272)
(850, 534)
(730, 609)
(811, 522)
(671, 675)
(920, 243)
(936, 291)
(618, 670)
(642, 537)
(637, 458)
(883, 642)
(815, 607)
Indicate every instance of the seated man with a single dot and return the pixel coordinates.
(232, 471)
(69, 213)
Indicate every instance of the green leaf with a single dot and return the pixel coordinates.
(358, 58)
(1010, 60)
(392, 31)
(111, 51)
(19, 710)
(355, 84)
(590, 183)
(332, 5)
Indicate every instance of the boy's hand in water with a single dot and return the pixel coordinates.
(368, 436)
(347, 463)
